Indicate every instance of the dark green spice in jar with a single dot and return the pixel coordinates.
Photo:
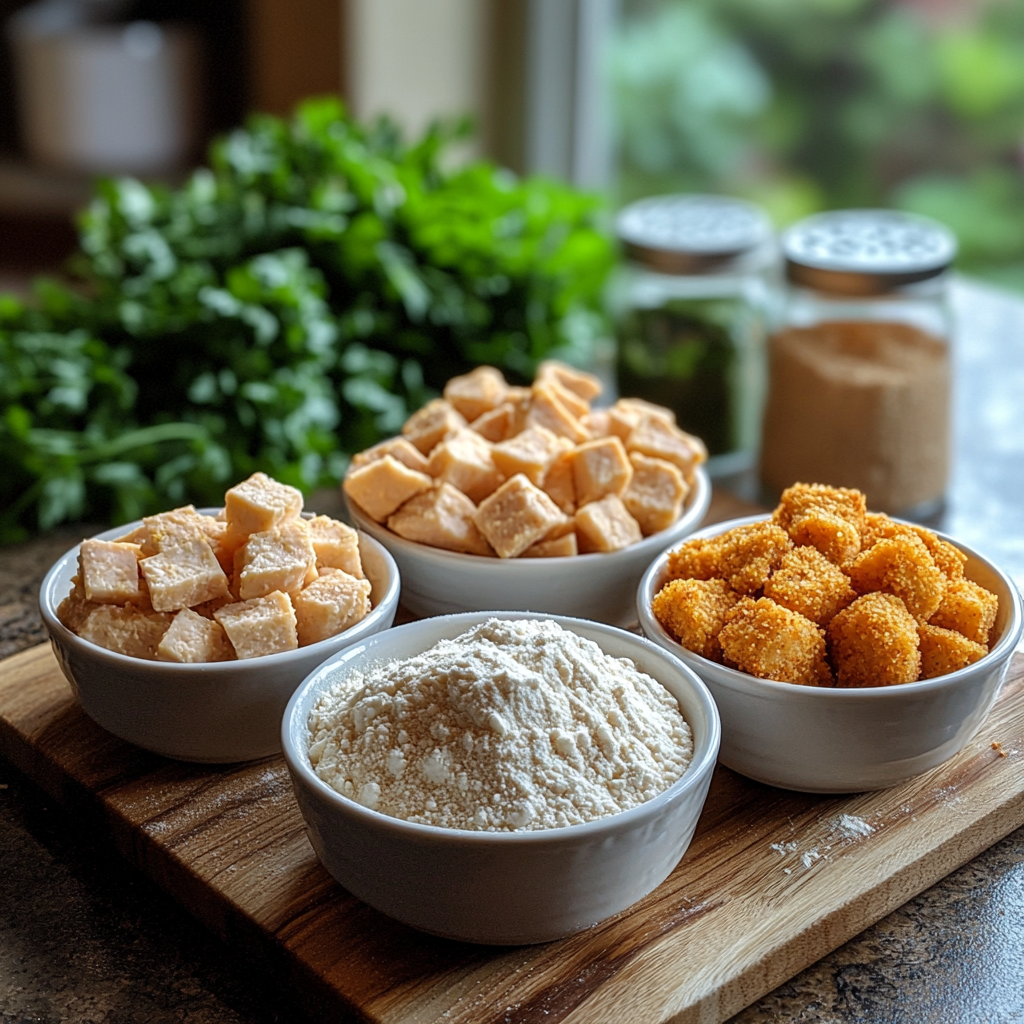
(690, 309)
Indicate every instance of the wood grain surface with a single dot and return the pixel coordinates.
(772, 881)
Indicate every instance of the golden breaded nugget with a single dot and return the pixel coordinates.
(969, 609)
(829, 518)
(948, 559)
(746, 555)
(945, 650)
(900, 565)
(771, 642)
(693, 611)
(808, 583)
(695, 560)
(874, 642)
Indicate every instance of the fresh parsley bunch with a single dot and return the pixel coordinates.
(290, 303)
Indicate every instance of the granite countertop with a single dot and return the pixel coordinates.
(85, 938)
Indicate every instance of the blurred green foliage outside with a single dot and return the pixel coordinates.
(805, 105)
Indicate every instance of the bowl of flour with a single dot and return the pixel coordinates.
(501, 777)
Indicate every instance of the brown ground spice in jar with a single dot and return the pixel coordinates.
(862, 405)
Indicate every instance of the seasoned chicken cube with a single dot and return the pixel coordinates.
(656, 494)
(694, 611)
(125, 629)
(583, 384)
(627, 413)
(75, 608)
(383, 485)
(432, 424)
(808, 583)
(260, 626)
(902, 566)
(398, 448)
(600, 467)
(832, 519)
(548, 410)
(475, 393)
(279, 559)
(505, 420)
(164, 531)
(559, 482)
(109, 571)
(771, 642)
(192, 638)
(260, 503)
(183, 576)
(656, 438)
(331, 604)
(516, 516)
(443, 518)
(597, 423)
(969, 609)
(558, 547)
(945, 650)
(530, 452)
(335, 545)
(605, 525)
(465, 460)
(874, 642)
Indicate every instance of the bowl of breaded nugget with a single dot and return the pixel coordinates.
(499, 497)
(846, 650)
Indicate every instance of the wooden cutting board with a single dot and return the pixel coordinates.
(772, 881)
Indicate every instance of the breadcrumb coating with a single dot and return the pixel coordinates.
(948, 559)
(901, 566)
(808, 583)
(945, 650)
(693, 611)
(771, 642)
(744, 556)
(967, 608)
(695, 560)
(829, 518)
(874, 642)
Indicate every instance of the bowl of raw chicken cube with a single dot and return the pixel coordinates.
(498, 497)
(846, 650)
(187, 632)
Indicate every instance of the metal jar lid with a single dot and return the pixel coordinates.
(685, 234)
(866, 252)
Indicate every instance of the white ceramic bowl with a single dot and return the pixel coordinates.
(217, 712)
(496, 887)
(597, 586)
(825, 740)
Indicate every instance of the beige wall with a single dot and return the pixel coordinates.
(417, 59)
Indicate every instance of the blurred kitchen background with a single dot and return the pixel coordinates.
(800, 105)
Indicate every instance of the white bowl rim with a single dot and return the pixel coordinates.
(49, 615)
(694, 511)
(736, 679)
(702, 762)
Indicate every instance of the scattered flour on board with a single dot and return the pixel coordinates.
(851, 825)
(515, 725)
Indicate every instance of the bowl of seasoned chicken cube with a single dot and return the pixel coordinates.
(846, 651)
(187, 632)
(497, 497)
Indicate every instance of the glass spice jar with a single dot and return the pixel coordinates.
(690, 310)
(859, 367)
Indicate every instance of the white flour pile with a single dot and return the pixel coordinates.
(513, 726)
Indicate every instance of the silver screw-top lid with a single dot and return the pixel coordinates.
(866, 252)
(680, 234)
